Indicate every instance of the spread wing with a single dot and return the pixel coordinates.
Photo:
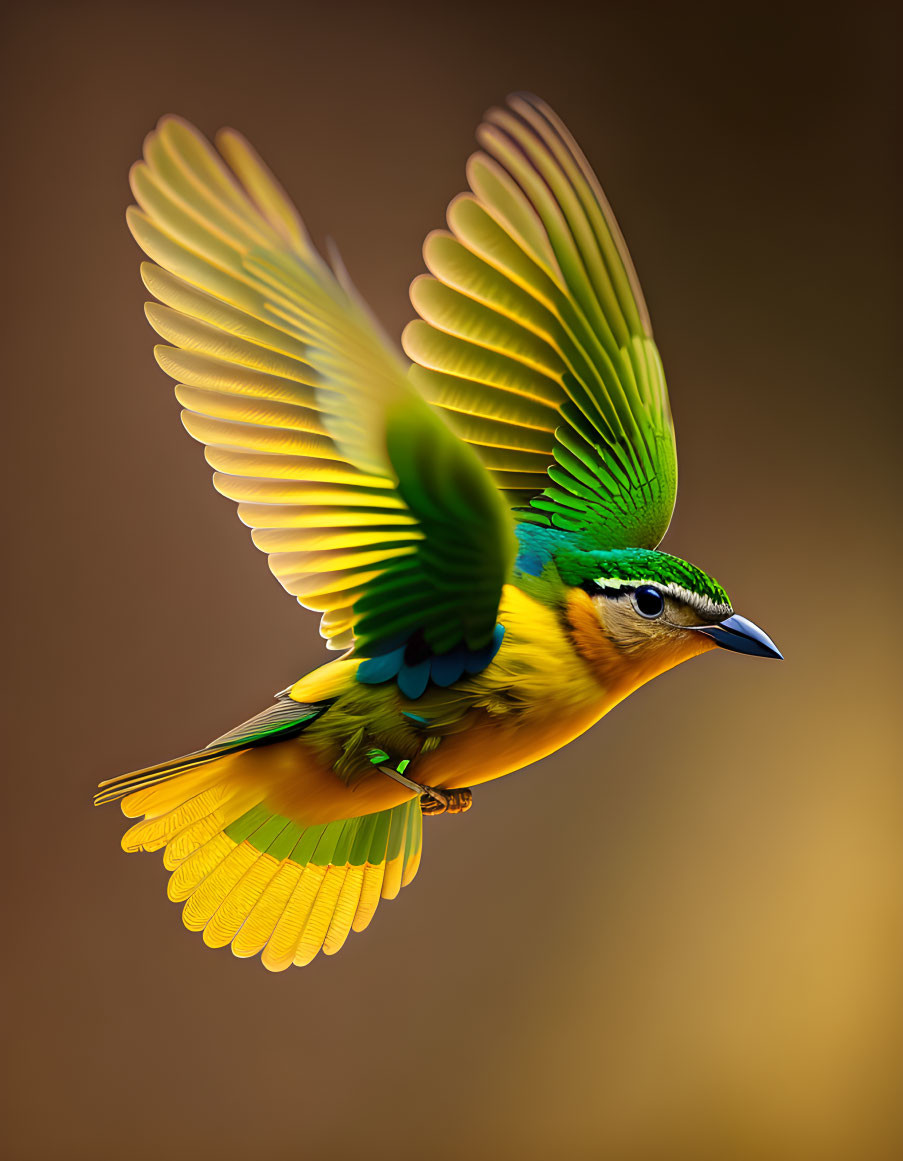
(535, 340)
(370, 509)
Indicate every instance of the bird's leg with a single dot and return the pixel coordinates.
(432, 800)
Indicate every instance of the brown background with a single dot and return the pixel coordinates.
(680, 938)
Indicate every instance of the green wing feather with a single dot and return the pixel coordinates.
(535, 340)
(370, 509)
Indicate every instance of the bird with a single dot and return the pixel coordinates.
(475, 514)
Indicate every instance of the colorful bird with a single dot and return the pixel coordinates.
(478, 528)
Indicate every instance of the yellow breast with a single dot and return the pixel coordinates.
(538, 695)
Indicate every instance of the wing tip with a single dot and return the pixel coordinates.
(228, 136)
(133, 215)
(174, 123)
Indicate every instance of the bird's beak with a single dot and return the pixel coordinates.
(741, 636)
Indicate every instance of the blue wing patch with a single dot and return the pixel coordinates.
(414, 673)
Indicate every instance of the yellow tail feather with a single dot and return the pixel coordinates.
(268, 884)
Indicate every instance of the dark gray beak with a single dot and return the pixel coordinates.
(742, 636)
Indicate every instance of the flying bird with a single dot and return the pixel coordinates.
(477, 523)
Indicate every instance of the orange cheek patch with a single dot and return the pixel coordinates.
(589, 636)
(615, 668)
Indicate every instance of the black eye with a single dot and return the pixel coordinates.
(649, 602)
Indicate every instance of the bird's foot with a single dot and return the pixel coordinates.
(434, 801)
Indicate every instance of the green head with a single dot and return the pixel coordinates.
(644, 600)
(621, 572)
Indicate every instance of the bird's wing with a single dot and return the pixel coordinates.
(370, 509)
(535, 340)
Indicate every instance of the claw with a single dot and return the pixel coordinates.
(442, 801)
(432, 800)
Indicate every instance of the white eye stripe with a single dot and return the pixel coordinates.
(704, 605)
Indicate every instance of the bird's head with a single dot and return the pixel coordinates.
(635, 613)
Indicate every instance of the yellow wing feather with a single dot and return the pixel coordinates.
(288, 381)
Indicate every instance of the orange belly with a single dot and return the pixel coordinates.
(493, 747)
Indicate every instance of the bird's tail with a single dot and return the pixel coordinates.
(250, 876)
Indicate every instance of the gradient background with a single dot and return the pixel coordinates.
(680, 938)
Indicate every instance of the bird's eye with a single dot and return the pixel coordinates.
(649, 602)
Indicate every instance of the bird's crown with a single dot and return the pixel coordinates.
(619, 571)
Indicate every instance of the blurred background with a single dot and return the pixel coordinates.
(682, 937)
